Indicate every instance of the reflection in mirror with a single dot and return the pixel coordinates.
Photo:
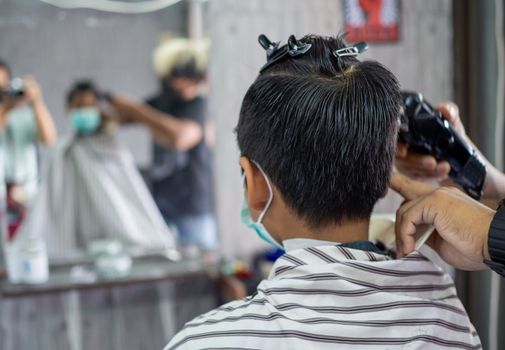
(130, 170)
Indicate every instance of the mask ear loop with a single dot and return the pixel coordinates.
(271, 196)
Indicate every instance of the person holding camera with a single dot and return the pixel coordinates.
(25, 121)
(468, 234)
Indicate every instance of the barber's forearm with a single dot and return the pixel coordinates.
(494, 186)
(144, 114)
(174, 133)
(45, 125)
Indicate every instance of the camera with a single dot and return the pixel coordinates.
(15, 89)
(426, 131)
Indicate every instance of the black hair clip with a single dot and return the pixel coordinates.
(354, 50)
(269, 46)
(275, 53)
(296, 47)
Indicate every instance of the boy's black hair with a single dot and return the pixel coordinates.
(324, 130)
(80, 87)
(6, 67)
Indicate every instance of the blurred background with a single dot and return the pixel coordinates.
(446, 49)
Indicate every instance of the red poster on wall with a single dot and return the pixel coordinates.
(372, 20)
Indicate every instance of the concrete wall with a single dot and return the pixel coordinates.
(422, 60)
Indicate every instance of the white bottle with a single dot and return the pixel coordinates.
(12, 262)
(34, 261)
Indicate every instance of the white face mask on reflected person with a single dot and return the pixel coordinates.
(258, 226)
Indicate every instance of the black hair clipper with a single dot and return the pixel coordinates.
(427, 132)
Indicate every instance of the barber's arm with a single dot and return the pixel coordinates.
(180, 134)
(426, 167)
(45, 126)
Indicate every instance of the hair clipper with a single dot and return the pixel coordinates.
(426, 131)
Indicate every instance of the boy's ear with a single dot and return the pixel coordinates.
(256, 188)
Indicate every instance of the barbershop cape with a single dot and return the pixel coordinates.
(326, 296)
(91, 189)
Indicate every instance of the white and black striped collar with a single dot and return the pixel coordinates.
(322, 253)
(302, 243)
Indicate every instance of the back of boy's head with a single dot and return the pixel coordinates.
(324, 131)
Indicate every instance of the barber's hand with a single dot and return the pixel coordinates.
(461, 223)
(426, 167)
(32, 90)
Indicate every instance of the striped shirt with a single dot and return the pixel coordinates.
(91, 189)
(328, 296)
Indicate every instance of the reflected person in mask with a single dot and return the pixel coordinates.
(83, 110)
(91, 188)
(176, 117)
(25, 122)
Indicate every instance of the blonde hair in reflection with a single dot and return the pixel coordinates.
(175, 52)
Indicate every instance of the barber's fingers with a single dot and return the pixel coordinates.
(417, 160)
(425, 164)
(443, 168)
(421, 166)
(405, 241)
(405, 228)
(440, 173)
(411, 215)
(406, 220)
(407, 188)
(450, 111)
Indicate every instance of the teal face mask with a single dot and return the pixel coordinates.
(85, 120)
(258, 226)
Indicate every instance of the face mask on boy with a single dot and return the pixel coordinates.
(258, 226)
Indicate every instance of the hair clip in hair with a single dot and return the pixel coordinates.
(354, 50)
(269, 46)
(275, 53)
(297, 48)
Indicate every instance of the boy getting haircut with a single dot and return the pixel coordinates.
(324, 130)
(317, 134)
